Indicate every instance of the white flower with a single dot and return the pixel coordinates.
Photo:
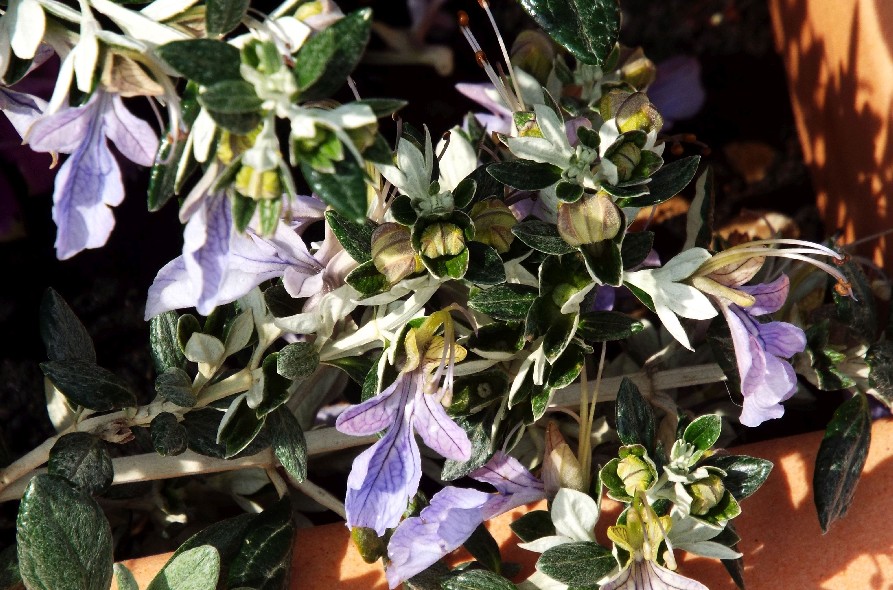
(671, 298)
(21, 31)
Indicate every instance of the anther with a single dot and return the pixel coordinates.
(481, 58)
(843, 288)
(677, 149)
(463, 18)
(844, 258)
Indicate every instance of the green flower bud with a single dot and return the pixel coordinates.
(589, 220)
(638, 71)
(442, 239)
(493, 223)
(636, 474)
(392, 252)
(532, 51)
(626, 158)
(259, 186)
(706, 493)
(368, 543)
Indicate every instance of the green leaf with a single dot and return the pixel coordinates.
(367, 280)
(744, 474)
(168, 435)
(635, 418)
(264, 558)
(534, 525)
(230, 97)
(195, 569)
(202, 426)
(187, 325)
(542, 236)
(344, 190)
(841, 458)
(89, 385)
(636, 247)
(222, 16)
(166, 353)
(280, 303)
(356, 367)
(289, 444)
(328, 57)
(238, 427)
(478, 429)
(824, 359)
(9, 570)
(880, 376)
(576, 564)
(483, 547)
(507, 302)
(240, 124)
(173, 164)
(858, 313)
(355, 238)
(84, 460)
(175, 386)
(666, 183)
(485, 267)
(703, 432)
(226, 536)
(699, 220)
(124, 578)
(586, 28)
(477, 580)
(604, 260)
(525, 175)
(63, 334)
(275, 388)
(297, 360)
(64, 540)
(205, 61)
(603, 326)
(472, 393)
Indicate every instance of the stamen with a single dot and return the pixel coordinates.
(510, 100)
(505, 54)
(791, 242)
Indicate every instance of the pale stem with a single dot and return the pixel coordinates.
(320, 495)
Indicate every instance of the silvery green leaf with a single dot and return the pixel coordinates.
(84, 460)
(635, 418)
(63, 334)
(533, 525)
(477, 580)
(195, 569)
(699, 220)
(264, 558)
(542, 236)
(238, 427)
(175, 386)
(708, 549)
(206, 349)
(206, 61)
(230, 97)
(328, 57)
(297, 360)
(576, 564)
(525, 175)
(289, 444)
(602, 326)
(703, 432)
(880, 377)
(344, 190)
(89, 385)
(274, 388)
(166, 353)
(168, 435)
(9, 569)
(239, 333)
(636, 246)
(64, 540)
(505, 302)
(485, 267)
(484, 549)
(355, 238)
(222, 16)
(666, 183)
(124, 578)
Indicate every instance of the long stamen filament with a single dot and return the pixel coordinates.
(498, 83)
(790, 242)
(505, 54)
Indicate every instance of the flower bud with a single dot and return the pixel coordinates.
(493, 223)
(561, 469)
(638, 71)
(368, 543)
(256, 185)
(392, 252)
(636, 474)
(589, 220)
(626, 158)
(442, 239)
(532, 52)
(706, 493)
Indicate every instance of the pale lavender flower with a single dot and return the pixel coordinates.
(677, 91)
(386, 475)
(220, 265)
(89, 182)
(767, 379)
(454, 514)
(644, 574)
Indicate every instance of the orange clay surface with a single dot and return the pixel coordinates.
(780, 535)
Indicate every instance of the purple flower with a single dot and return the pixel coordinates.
(760, 349)
(89, 182)
(386, 475)
(220, 265)
(677, 91)
(454, 514)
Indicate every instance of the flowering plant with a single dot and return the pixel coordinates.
(464, 289)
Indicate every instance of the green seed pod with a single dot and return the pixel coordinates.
(493, 223)
(636, 473)
(370, 545)
(589, 220)
(442, 239)
(706, 493)
(392, 252)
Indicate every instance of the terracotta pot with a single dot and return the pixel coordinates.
(839, 61)
(781, 540)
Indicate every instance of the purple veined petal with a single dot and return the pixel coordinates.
(87, 185)
(21, 109)
(132, 136)
(304, 210)
(379, 412)
(291, 249)
(171, 289)
(437, 429)
(782, 339)
(65, 130)
(677, 91)
(769, 297)
(646, 575)
(384, 477)
(740, 340)
(515, 484)
(206, 250)
(442, 527)
(479, 94)
(300, 285)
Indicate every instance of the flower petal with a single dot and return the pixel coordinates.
(171, 289)
(132, 136)
(21, 109)
(438, 430)
(647, 575)
(458, 161)
(206, 251)
(64, 130)
(574, 515)
(377, 413)
(686, 301)
(782, 339)
(537, 149)
(515, 484)
(383, 478)
(769, 297)
(683, 265)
